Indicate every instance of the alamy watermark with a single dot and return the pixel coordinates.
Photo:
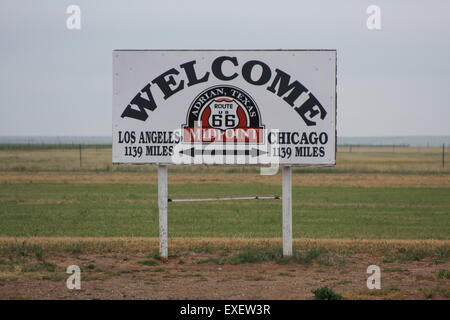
(374, 19)
(74, 280)
(73, 21)
(374, 280)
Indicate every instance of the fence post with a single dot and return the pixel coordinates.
(443, 155)
(80, 156)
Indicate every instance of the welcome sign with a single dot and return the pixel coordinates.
(224, 107)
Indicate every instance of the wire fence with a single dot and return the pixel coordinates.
(51, 146)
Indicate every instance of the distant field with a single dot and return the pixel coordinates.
(373, 193)
(109, 210)
(98, 158)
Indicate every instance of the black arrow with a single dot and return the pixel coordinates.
(253, 152)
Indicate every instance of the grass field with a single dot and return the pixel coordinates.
(371, 194)
(108, 210)
(376, 206)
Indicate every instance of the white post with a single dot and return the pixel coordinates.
(287, 210)
(162, 205)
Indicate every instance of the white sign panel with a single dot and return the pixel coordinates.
(224, 107)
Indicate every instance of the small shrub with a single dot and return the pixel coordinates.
(435, 292)
(205, 248)
(219, 261)
(149, 262)
(309, 256)
(443, 274)
(422, 277)
(154, 254)
(285, 274)
(326, 293)
(75, 248)
(382, 292)
(91, 268)
(42, 266)
(251, 255)
(254, 255)
(305, 257)
(442, 254)
(412, 254)
(39, 254)
(255, 278)
(399, 270)
(407, 254)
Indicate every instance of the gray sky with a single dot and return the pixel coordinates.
(393, 81)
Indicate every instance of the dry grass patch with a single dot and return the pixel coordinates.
(211, 245)
(302, 179)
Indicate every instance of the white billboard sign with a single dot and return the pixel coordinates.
(224, 107)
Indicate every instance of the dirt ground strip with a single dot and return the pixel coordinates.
(126, 268)
(304, 179)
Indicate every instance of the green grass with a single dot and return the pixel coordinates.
(437, 292)
(148, 262)
(399, 270)
(414, 254)
(252, 255)
(443, 274)
(41, 266)
(53, 209)
(382, 292)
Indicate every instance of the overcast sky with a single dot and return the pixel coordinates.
(393, 81)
